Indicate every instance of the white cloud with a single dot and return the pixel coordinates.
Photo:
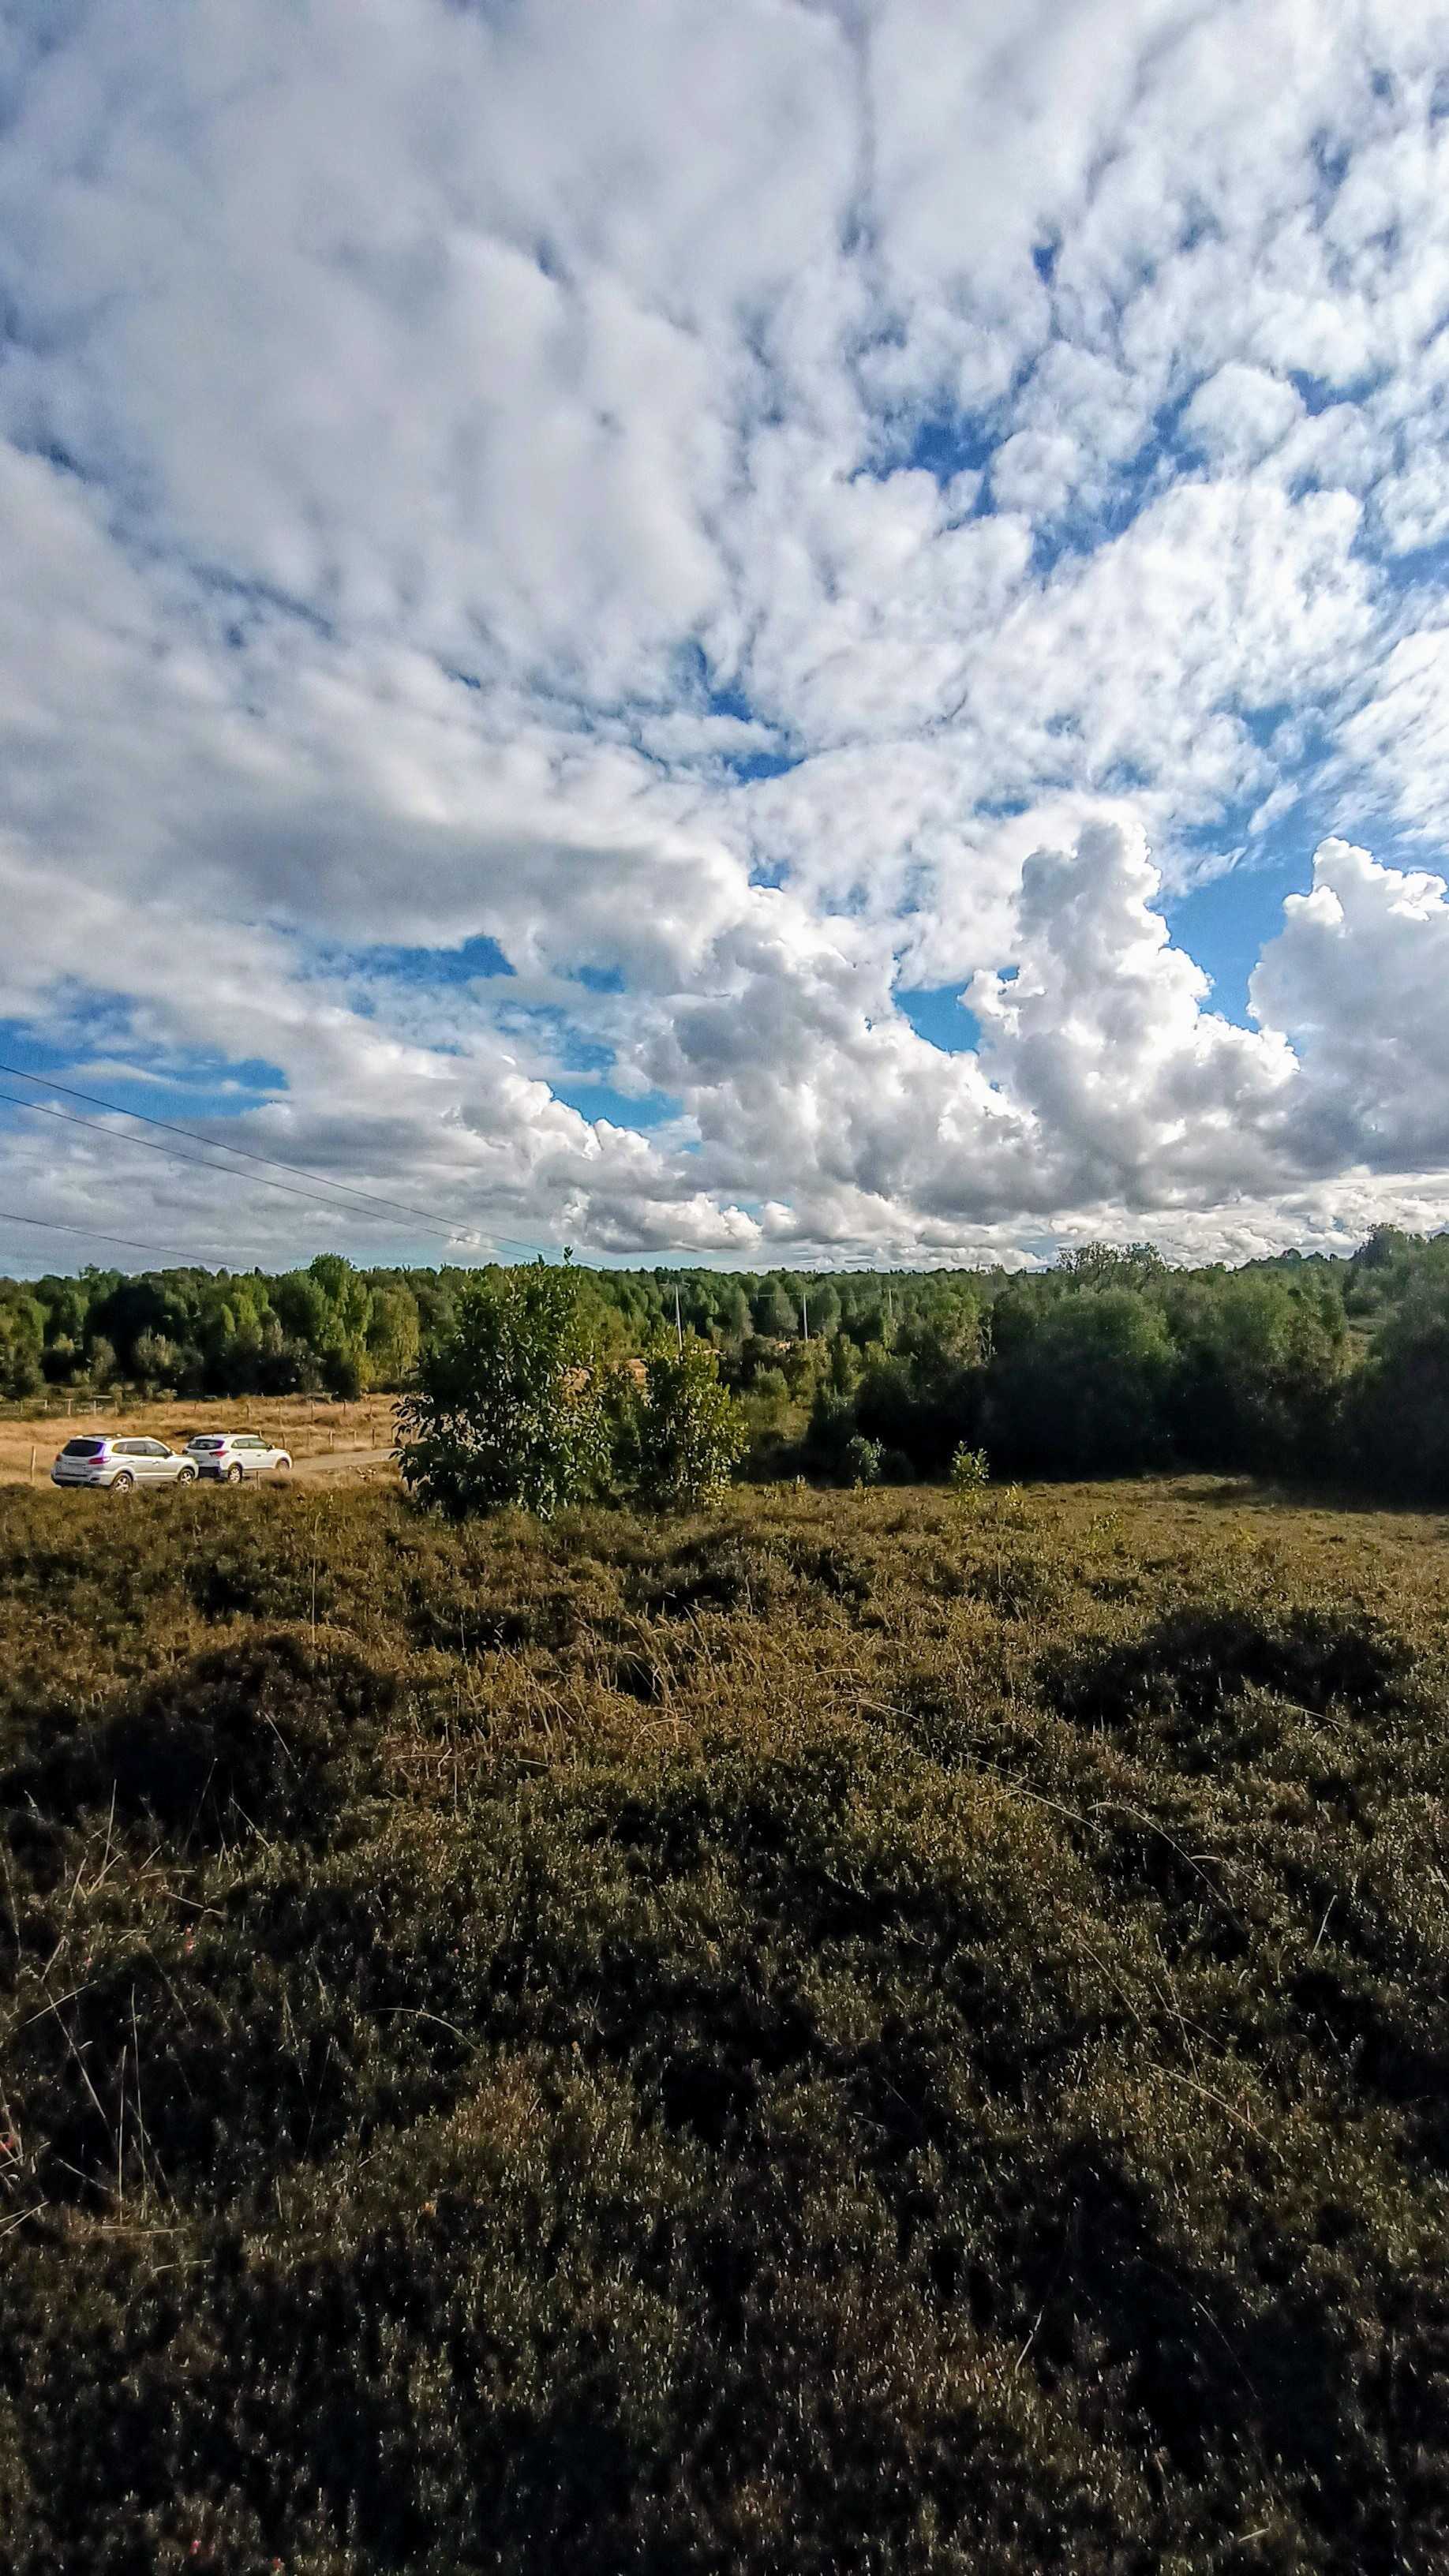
(451, 458)
(1359, 979)
(1241, 414)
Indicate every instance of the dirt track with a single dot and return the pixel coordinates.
(331, 1467)
(339, 1462)
(325, 1441)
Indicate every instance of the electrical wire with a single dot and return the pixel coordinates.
(67, 1117)
(49, 1225)
(430, 1217)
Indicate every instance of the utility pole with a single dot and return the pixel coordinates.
(678, 1326)
(804, 1316)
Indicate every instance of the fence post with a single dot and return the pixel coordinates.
(32, 1462)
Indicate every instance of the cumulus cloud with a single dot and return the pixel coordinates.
(749, 513)
(1358, 979)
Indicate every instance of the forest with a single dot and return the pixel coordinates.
(1112, 1362)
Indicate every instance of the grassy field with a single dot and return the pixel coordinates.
(869, 2034)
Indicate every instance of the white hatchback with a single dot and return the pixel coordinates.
(231, 1455)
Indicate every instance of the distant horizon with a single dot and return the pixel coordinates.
(718, 1269)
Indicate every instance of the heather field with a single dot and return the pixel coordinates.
(873, 2032)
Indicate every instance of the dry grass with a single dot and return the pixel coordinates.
(309, 1426)
(869, 2033)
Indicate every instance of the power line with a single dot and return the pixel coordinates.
(49, 1225)
(430, 1217)
(67, 1117)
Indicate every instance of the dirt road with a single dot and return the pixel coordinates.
(338, 1462)
(324, 1440)
(326, 1467)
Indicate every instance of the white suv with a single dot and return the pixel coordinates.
(117, 1465)
(230, 1455)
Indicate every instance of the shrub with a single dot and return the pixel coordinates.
(970, 1470)
(863, 1461)
(691, 1432)
(508, 1407)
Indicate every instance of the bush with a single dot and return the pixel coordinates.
(970, 1470)
(1398, 1418)
(863, 1461)
(691, 1432)
(508, 1407)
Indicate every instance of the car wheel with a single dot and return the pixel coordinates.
(284, 1465)
(122, 1484)
(187, 1476)
(234, 1475)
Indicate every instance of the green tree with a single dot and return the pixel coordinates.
(303, 1307)
(776, 1318)
(1398, 1421)
(392, 1336)
(691, 1431)
(508, 1404)
(22, 1339)
(153, 1360)
(345, 1327)
(1258, 1371)
(1112, 1265)
(1081, 1388)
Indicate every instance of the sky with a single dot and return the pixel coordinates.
(804, 633)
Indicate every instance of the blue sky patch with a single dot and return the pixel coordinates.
(600, 1100)
(937, 1013)
(1225, 924)
(474, 960)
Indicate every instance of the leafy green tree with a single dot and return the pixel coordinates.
(1258, 1371)
(824, 1303)
(1083, 1391)
(154, 1360)
(924, 1396)
(1112, 1265)
(22, 1342)
(1398, 1415)
(508, 1405)
(692, 1432)
(392, 1336)
(776, 1318)
(732, 1310)
(303, 1306)
(345, 1328)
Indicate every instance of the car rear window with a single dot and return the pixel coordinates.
(84, 1449)
(208, 1444)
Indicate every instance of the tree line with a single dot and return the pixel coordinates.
(1109, 1363)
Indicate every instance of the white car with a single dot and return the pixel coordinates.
(231, 1455)
(118, 1465)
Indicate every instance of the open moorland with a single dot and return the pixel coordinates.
(872, 2032)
